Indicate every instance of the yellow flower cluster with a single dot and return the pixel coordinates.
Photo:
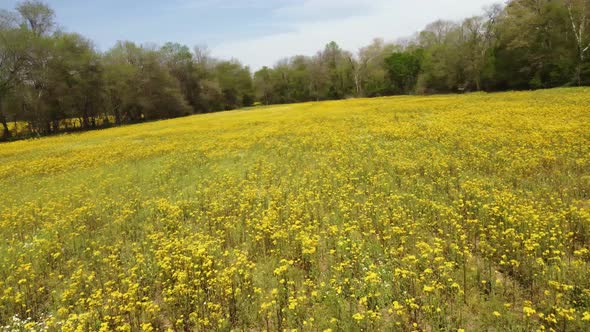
(403, 213)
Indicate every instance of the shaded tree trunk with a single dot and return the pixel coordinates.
(6, 132)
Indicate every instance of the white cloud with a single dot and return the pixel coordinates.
(314, 9)
(388, 19)
(223, 4)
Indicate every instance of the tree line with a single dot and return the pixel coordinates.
(53, 81)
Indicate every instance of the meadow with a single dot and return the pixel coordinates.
(437, 213)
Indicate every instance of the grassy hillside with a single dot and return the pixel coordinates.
(405, 213)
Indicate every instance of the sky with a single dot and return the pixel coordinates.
(255, 32)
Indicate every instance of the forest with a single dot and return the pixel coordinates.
(53, 81)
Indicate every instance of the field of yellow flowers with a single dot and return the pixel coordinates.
(440, 213)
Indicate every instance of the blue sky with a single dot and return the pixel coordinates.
(256, 32)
